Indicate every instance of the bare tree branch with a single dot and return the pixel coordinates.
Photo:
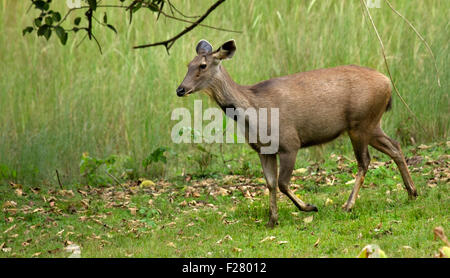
(169, 43)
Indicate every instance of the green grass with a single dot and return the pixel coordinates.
(58, 102)
(179, 218)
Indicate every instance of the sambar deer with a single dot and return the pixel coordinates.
(315, 107)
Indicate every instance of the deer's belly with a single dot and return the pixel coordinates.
(318, 130)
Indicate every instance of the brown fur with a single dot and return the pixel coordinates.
(315, 107)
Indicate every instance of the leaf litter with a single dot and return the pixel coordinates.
(195, 195)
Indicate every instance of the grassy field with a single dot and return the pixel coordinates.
(226, 217)
(73, 110)
(58, 102)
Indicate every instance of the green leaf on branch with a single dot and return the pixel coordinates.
(38, 22)
(112, 28)
(155, 156)
(62, 34)
(28, 29)
(45, 31)
(56, 16)
(92, 4)
(49, 20)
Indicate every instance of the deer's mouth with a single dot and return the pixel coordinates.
(181, 92)
(188, 92)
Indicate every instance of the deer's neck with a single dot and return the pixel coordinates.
(226, 92)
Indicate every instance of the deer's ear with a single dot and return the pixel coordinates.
(203, 47)
(226, 51)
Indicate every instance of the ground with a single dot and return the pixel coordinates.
(226, 216)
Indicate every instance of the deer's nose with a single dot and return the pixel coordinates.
(180, 91)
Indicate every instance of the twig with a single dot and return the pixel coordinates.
(387, 66)
(59, 180)
(420, 37)
(169, 43)
(78, 45)
(114, 178)
(202, 25)
(178, 11)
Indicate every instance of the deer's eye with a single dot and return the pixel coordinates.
(203, 66)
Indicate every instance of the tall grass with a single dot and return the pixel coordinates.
(57, 102)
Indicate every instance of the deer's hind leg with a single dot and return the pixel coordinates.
(385, 144)
(360, 143)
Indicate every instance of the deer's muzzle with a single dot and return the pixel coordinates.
(181, 91)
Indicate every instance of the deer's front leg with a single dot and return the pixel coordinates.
(269, 165)
(287, 163)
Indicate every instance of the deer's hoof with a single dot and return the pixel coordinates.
(413, 195)
(347, 207)
(271, 224)
(310, 207)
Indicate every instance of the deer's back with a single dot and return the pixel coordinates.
(318, 105)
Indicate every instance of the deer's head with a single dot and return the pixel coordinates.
(204, 67)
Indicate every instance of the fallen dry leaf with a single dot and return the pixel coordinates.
(18, 192)
(317, 242)
(300, 171)
(170, 224)
(171, 244)
(269, 238)
(308, 219)
(9, 204)
(10, 229)
(439, 232)
(66, 193)
(423, 147)
(350, 181)
(132, 211)
(431, 184)
(226, 238)
(74, 249)
(85, 203)
(27, 242)
(35, 190)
